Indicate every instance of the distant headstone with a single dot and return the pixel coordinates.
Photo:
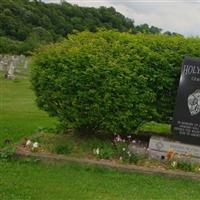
(186, 121)
(26, 64)
(13, 64)
(11, 70)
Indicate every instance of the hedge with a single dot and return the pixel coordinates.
(110, 82)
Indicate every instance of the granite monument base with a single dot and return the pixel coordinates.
(166, 149)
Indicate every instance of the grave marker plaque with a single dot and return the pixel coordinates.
(186, 121)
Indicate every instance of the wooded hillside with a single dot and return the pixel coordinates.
(25, 25)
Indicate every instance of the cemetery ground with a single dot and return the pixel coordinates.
(32, 179)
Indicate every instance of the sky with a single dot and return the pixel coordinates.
(181, 16)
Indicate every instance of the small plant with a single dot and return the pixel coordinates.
(173, 164)
(135, 158)
(122, 151)
(62, 149)
(7, 153)
(121, 146)
(186, 166)
(38, 137)
(104, 152)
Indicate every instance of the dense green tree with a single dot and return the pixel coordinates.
(9, 46)
(20, 18)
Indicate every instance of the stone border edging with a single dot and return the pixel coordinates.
(107, 164)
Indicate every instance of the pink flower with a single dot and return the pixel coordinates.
(118, 138)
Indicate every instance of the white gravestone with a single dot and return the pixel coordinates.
(12, 64)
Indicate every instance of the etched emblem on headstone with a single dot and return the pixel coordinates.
(194, 102)
(159, 145)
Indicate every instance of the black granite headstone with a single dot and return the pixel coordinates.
(186, 121)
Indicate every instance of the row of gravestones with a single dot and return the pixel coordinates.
(12, 64)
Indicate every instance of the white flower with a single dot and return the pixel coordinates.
(129, 153)
(97, 151)
(120, 158)
(123, 149)
(35, 145)
(133, 141)
(28, 143)
(173, 164)
(129, 136)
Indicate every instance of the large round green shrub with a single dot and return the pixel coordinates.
(108, 81)
(93, 82)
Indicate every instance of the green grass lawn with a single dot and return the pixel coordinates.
(156, 129)
(35, 181)
(19, 116)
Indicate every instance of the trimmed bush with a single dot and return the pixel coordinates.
(110, 82)
(93, 82)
